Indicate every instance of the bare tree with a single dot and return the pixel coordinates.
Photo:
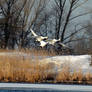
(11, 12)
(63, 10)
(89, 34)
(83, 44)
(19, 16)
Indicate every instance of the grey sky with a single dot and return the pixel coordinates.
(85, 8)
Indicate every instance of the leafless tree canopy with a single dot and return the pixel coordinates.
(17, 17)
(54, 21)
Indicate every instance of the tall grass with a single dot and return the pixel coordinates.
(20, 69)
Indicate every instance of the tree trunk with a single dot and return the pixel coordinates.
(7, 33)
(66, 22)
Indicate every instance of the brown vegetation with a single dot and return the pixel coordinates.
(20, 69)
(65, 76)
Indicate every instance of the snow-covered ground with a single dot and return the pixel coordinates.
(75, 62)
(78, 62)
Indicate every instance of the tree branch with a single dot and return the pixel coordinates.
(83, 14)
(67, 20)
(75, 33)
(76, 40)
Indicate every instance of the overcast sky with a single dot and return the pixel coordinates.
(85, 8)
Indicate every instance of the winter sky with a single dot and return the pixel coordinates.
(85, 8)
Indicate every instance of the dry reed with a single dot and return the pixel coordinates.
(20, 69)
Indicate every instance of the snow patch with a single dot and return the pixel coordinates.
(80, 62)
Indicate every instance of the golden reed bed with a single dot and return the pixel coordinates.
(20, 69)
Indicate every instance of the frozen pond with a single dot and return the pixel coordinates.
(17, 87)
(39, 91)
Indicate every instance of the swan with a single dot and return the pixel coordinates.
(52, 41)
(38, 38)
(43, 43)
(44, 40)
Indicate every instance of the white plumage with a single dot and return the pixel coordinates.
(52, 41)
(43, 43)
(47, 41)
(38, 38)
(63, 45)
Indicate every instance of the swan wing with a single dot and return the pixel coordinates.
(33, 33)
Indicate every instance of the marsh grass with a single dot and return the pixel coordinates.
(20, 69)
(73, 78)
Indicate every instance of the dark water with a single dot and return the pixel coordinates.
(38, 91)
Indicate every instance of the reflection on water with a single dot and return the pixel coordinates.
(38, 91)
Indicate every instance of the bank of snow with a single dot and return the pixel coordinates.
(75, 62)
(78, 62)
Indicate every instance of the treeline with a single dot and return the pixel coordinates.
(55, 19)
(17, 17)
